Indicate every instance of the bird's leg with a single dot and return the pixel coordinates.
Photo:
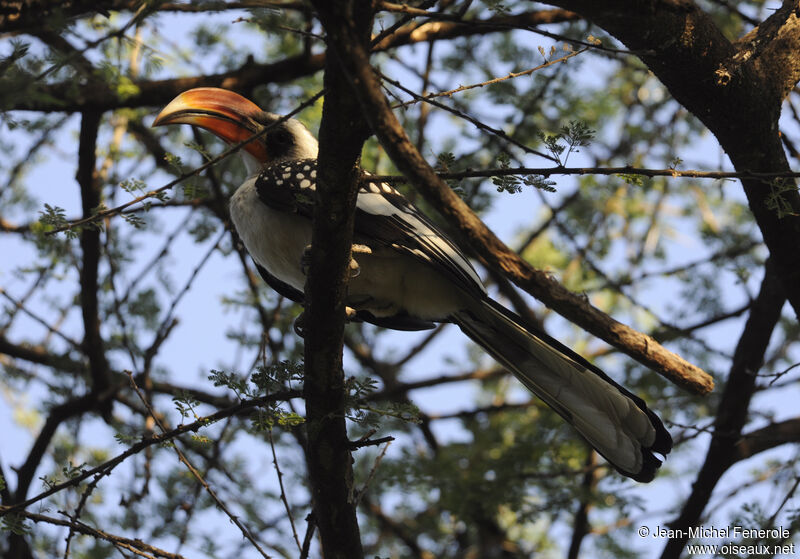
(355, 269)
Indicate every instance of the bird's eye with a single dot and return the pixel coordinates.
(279, 141)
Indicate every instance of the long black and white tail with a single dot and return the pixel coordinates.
(615, 422)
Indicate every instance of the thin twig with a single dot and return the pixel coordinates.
(626, 170)
(137, 547)
(461, 114)
(198, 476)
(510, 75)
(210, 163)
(20, 306)
(371, 475)
(283, 491)
(147, 442)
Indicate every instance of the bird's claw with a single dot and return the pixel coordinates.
(355, 269)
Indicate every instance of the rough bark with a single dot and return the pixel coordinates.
(342, 135)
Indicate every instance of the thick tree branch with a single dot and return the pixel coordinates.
(58, 96)
(39, 355)
(57, 416)
(19, 15)
(774, 46)
(731, 90)
(397, 144)
(90, 186)
(732, 412)
(442, 30)
(766, 438)
(25, 15)
(342, 135)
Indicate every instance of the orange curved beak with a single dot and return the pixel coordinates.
(224, 113)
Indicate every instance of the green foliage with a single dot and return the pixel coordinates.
(632, 179)
(134, 187)
(540, 181)
(506, 183)
(186, 405)
(68, 472)
(237, 383)
(777, 200)
(53, 217)
(479, 467)
(274, 377)
(571, 136)
(266, 380)
(15, 524)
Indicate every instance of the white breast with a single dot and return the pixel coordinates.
(275, 240)
(389, 282)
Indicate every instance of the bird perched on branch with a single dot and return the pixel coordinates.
(407, 274)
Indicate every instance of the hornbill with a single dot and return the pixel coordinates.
(407, 274)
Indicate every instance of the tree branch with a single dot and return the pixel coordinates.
(57, 416)
(117, 541)
(773, 48)
(237, 409)
(397, 144)
(730, 91)
(766, 438)
(581, 526)
(88, 180)
(51, 97)
(732, 411)
(342, 135)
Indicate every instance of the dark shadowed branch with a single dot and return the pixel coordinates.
(733, 407)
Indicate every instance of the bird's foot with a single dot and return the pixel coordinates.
(355, 269)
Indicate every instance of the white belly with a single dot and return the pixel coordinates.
(275, 240)
(388, 282)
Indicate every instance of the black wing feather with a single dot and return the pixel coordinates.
(396, 223)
